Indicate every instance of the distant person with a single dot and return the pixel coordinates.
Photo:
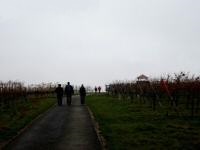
(82, 93)
(69, 91)
(99, 89)
(59, 92)
(95, 89)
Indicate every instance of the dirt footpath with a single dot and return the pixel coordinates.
(62, 128)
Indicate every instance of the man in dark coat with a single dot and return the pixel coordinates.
(59, 93)
(69, 91)
(82, 93)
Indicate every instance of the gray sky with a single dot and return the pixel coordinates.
(97, 41)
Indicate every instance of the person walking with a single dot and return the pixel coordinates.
(59, 93)
(95, 89)
(69, 91)
(99, 89)
(82, 93)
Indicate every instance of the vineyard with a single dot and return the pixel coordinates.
(20, 104)
(12, 93)
(178, 93)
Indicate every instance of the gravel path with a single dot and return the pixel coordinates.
(62, 128)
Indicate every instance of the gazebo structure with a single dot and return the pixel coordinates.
(142, 84)
(142, 78)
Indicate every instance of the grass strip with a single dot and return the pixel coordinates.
(12, 121)
(131, 125)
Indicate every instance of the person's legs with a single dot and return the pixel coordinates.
(59, 101)
(82, 99)
(68, 100)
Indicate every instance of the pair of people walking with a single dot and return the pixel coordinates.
(69, 91)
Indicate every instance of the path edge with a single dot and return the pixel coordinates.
(20, 132)
(101, 139)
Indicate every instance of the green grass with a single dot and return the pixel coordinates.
(127, 125)
(11, 121)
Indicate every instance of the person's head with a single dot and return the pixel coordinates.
(68, 83)
(59, 85)
(82, 85)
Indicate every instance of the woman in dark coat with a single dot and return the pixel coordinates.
(82, 93)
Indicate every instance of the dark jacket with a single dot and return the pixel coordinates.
(69, 91)
(82, 91)
(59, 91)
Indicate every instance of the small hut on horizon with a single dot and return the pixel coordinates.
(142, 77)
(142, 84)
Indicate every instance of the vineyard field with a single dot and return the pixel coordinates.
(179, 92)
(128, 124)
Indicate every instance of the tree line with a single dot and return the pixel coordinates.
(12, 92)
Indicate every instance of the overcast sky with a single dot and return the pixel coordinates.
(97, 41)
